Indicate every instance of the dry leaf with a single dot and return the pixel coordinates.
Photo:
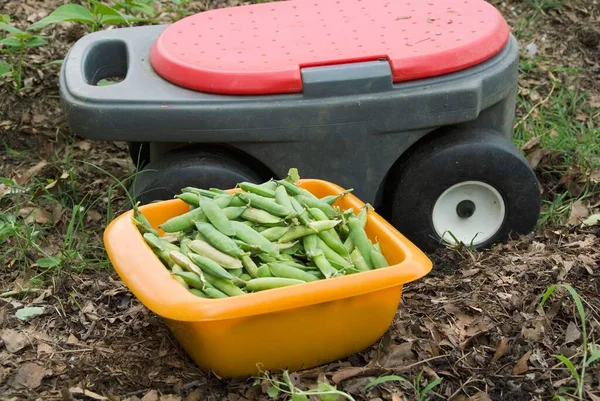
(151, 395)
(13, 340)
(398, 355)
(502, 349)
(535, 157)
(35, 214)
(29, 376)
(87, 393)
(578, 213)
(591, 221)
(170, 397)
(84, 145)
(572, 333)
(72, 340)
(592, 396)
(22, 179)
(530, 144)
(521, 366)
(195, 395)
(534, 334)
(344, 374)
(44, 348)
(94, 215)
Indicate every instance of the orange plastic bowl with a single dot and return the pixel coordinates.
(292, 328)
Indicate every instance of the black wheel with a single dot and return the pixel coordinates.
(203, 168)
(139, 153)
(470, 187)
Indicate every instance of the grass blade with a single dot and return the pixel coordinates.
(569, 366)
(384, 379)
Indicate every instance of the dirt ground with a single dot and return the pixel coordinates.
(475, 321)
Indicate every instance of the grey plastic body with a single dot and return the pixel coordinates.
(349, 125)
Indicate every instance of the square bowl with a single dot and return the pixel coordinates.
(294, 328)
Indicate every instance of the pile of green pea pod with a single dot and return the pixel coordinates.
(268, 235)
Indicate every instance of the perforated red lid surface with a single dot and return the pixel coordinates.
(261, 48)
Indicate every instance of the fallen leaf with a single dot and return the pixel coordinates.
(72, 340)
(592, 220)
(23, 178)
(521, 365)
(595, 176)
(196, 395)
(534, 334)
(151, 395)
(87, 393)
(530, 144)
(347, 373)
(170, 397)
(35, 214)
(84, 145)
(29, 312)
(29, 376)
(94, 215)
(572, 333)
(502, 349)
(592, 396)
(14, 341)
(535, 157)
(398, 355)
(44, 348)
(578, 213)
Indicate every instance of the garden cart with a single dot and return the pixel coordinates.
(409, 103)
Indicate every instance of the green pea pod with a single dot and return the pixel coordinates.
(283, 199)
(273, 233)
(183, 221)
(218, 191)
(246, 277)
(141, 221)
(199, 192)
(316, 255)
(267, 283)
(285, 245)
(219, 240)
(153, 241)
(215, 215)
(358, 261)
(295, 190)
(205, 249)
(316, 203)
(283, 270)
(257, 189)
(360, 239)
(197, 292)
(349, 245)
(166, 258)
(251, 249)
(209, 266)
(332, 256)
(302, 213)
(260, 216)
(271, 184)
(236, 272)
(191, 278)
(185, 262)
(362, 215)
(296, 250)
(331, 199)
(250, 266)
(266, 258)
(224, 285)
(377, 247)
(184, 245)
(223, 200)
(283, 257)
(378, 259)
(178, 269)
(295, 232)
(233, 212)
(214, 293)
(251, 236)
(267, 204)
(190, 198)
(330, 237)
(237, 202)
(264, 271)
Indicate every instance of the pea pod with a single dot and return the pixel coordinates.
(349, 245)
(183, 245)
(233, 212)
(267, 283)
(358, 261)
(316, 203)
(313, 227)
(271, 184)
(362, 215)
(219, 240)
(205, 249)
(377, 247)
(273, 233)
(199, 192)
(178, 269)
(360, 239)
(215, 215)
(246, 277)
(251, 236)
(185, 262)
(331, 199)
(378, 259)
(316, 255)
(250, 266)
(197, 292)
(224, 285)
(330, 237)
(295, 190)
(257, 189)
(302, 213)
(283, 199)
(209, 266)
(283, 270)
(260, 216)
(153, 240)
(332, 256)
(214, 293)
(190, 198)
(191, 278)
(218, 191)
(183, 221)
(224, 200)
(264, 271)
(267, 204)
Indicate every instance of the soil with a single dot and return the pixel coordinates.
(475, 321)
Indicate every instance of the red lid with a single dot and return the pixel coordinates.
(260, 48)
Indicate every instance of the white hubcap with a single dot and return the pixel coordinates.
(470, 212)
